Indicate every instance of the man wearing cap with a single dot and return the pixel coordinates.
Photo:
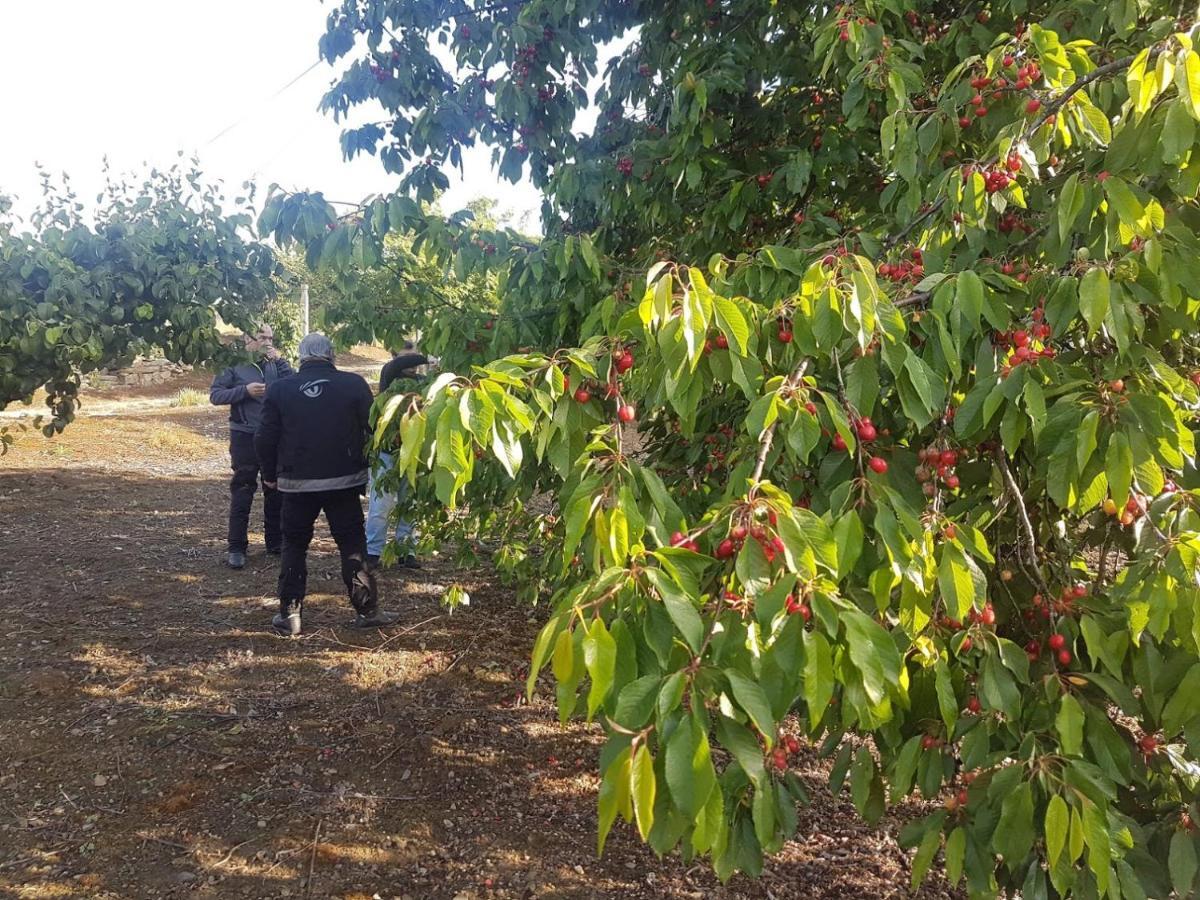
(310, 444)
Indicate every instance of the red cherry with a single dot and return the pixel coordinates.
(722, 342)
(964, 122)
(1008, 60)
(948, 458)
(974, 705)
(878, 464)
(582, 395)
(952, 482)
(867, 432)
(981, 111)
(1064, 657)
(1148, 744)
(966, 646)
(839, 442)
(988, 616)
(785, 336)
(626, 413)
(810, 408)
(1033, 106)
(677, 538)
(1056, 642)
(738, 532)
(724, 549)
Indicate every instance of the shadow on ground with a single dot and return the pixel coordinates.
(160, 742)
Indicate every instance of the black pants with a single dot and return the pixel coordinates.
(242, 488)
(343, 512)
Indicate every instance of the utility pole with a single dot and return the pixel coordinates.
(304, 305)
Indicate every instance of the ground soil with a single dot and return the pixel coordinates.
(157, 741)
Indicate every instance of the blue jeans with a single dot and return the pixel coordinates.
(379, 511)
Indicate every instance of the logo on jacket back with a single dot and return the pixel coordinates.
(313, 388)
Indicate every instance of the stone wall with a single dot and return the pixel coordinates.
(140, 372)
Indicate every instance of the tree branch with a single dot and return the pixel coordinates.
(768, 436)
(1014, 491)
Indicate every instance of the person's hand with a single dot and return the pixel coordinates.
(273, 485)
(256, 389)
(434, 361)
(272, 353)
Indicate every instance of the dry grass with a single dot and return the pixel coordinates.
(189, 397)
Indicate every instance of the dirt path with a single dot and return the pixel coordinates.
(159, 742)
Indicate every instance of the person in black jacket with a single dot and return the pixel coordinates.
(242, 389)
(402, 368)
(310, 443)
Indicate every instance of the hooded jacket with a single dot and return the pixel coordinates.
(314, 429)
(229, 389)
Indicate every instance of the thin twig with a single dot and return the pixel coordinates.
(232, 850)
(1014, 491)
(312, 858)
(767, 437)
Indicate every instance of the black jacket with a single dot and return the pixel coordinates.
(402, 365)
(314, 429)
(229, 389)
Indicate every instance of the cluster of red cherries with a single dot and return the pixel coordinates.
(911, 269)
(933, 465)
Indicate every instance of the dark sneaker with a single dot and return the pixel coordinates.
(287, 624)
(236, 559)
(375, 618)
(411, 562)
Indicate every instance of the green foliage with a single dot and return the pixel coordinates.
(401, 294)
(153, 267)
(915, 456)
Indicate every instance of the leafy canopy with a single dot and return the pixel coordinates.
(901, 299)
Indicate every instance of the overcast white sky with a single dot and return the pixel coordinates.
(139, 80)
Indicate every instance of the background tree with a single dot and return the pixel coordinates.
(912, 357)
(152, 266)
(404, 293)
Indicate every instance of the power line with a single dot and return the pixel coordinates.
(224, 131)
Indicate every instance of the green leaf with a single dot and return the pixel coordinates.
(1188, 78)
(873, 653)
(732, 323)
(1094, 292)
(751, 698)
(681, 750)
(614, 796)
(955, 582)
(1184, 703)
(1058, 817)
(600, 659)
(1085, 444)
(968, 296)
(1118, 465)
(818, 676)
(956, 848)
(643, 788)
(679, 607)
(1181, 862)
(1070, 204)
(928, 849)
(1014, 833)
(1069, 724)
(541, 652)
(947, 701)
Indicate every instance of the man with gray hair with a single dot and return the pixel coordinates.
(310, 444)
